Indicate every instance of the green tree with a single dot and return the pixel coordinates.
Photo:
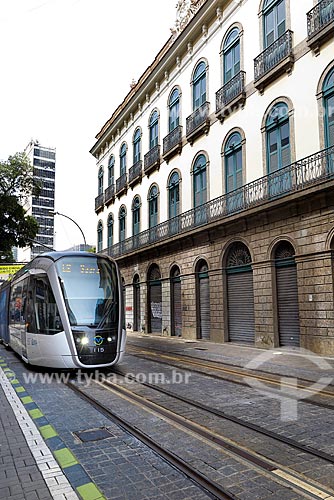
(16, 185)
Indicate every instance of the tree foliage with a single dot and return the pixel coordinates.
(16, 185)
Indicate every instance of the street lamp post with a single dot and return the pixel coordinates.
(67, 217)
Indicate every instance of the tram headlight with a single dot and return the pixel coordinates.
(84, 341)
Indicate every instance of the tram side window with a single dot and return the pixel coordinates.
(17, 301)
(47, 318)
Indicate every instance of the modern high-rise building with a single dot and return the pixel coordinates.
(215, 177)
(43, 160)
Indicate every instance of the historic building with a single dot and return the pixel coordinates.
(43, 160)
(215, 177)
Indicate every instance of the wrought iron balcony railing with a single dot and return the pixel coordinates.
(152, 159)
(198, 121)
(320, 18)
(135, 173)
(273, 55)
(310, 171)
(231, 93)
(121, 184)
(172, 142)
(109, 194)
(99, 202)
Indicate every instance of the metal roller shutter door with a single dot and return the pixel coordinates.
(177, 309)
(240, 300)
(136, 307)
(155, 308)
(204, 299)
(287, 306)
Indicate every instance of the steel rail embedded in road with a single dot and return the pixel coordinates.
(277, 471)
(219, 413)
(210, 487)
(212, 365)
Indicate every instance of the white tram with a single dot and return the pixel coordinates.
(65, 310)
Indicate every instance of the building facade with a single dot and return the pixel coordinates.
(215, 177)
(43, 160)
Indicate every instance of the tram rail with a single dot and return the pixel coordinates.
(234, 375)
(291, 479)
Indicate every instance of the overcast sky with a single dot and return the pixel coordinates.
(66, 65)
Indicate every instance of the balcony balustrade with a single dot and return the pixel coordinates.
(272, 62)
(172, 143)
(320, 24)
(198, 122)
(309, 172)
(109, 194)
(230, 96)
(99, 202)
(135, 173)
(152, 160)
(121, 185)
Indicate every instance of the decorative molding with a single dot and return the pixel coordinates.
(185, 11)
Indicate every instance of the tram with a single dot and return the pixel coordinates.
(65, 310)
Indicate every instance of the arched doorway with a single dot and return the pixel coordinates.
(240, 296)
(176, 306)
(154, 300)
(287, 295)
(203, 300)
(136, 303)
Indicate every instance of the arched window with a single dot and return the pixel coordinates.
(200, 187)
(122, 159)
(273, 20)
(153, 206)
(100, 181)
(174, 195)
(328, 96)
(99, 236)
(137, 146)
(199, 85)
(111, 170)
(110, 227)
(122, 223)
(231, 55)
(154, 129)
(233, 162)
(278, 138)
(136, 216)
(174, 110)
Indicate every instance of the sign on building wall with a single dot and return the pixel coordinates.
(8, 270)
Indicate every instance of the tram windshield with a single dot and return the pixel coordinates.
(90, 289)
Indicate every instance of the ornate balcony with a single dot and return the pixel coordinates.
(301, 176)
(152, 160)
(231, 96)
(320, 24)
(99, 203)
(172, 143)
(198, 122)
(109, 194)
(274, 61)
(121, 185)
(135, 173)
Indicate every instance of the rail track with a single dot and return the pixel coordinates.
(306, 487)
